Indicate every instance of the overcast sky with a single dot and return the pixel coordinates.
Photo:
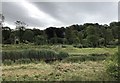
(46, 14)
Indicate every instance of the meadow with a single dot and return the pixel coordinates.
(58, 48)
(57, 71)
(67, 63)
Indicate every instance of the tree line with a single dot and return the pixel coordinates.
(86, 35)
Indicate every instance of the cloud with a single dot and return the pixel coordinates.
(28, 13)
(36, 13)
(45, 14)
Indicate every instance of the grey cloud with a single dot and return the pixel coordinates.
(13, 12)
(66, 12)
(75, 12)
(119, 11)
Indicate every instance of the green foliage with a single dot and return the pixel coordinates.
(101, 41)
(40, 40)
(22, 61)
(114, 26)
(113, 67)
(88, 34)
(92, 36)
(109, 36)
(12, 38)
(8, 62)
(6, 31)
(91, 30)
(78, 46)
(62, 55)
(28, 35)
(26, 56)
(92, 40)
(56, 40)
(82, 58)
(72, 35)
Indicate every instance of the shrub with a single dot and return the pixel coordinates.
(72, 59)
(110, 46)
(82, 58)
(113, 67)
(62, 55)
(78, 46)
(26, 56)
(104, 54)
(40, 40)
(22, 61)
(63, 46)
(8, 62)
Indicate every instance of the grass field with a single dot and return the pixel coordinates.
(58, 48)
(57, 71)
(87, 70)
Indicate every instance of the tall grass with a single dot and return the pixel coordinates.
(89, 57)
(31, 55)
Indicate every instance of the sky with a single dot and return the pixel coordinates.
(58, 14)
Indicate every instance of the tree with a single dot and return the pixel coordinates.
(50, 32)
(20, 24)
(60, 32)
(101, 41)
(37, 32)
(92, 40)
(79, 37)
(71, 35)
(12, 38)
(40, 40)
(28, 35)
(20, 27)
(6, 31)
(109, 36)
(2, 18)
(92, 36)
(114, 26)
(91, 30)
(88, 34)
(54, 40)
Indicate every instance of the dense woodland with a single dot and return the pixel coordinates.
(86, 35)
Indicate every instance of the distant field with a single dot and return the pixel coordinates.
(58, 48)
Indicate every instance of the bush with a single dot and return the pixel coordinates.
(8, 62)
(78, 46)
(82, 58)
(63, 46)
(22, 61)
(105, 54)
(112, 66)
(40, 40)
(62, 55)
(26, 56)
(110, 46)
